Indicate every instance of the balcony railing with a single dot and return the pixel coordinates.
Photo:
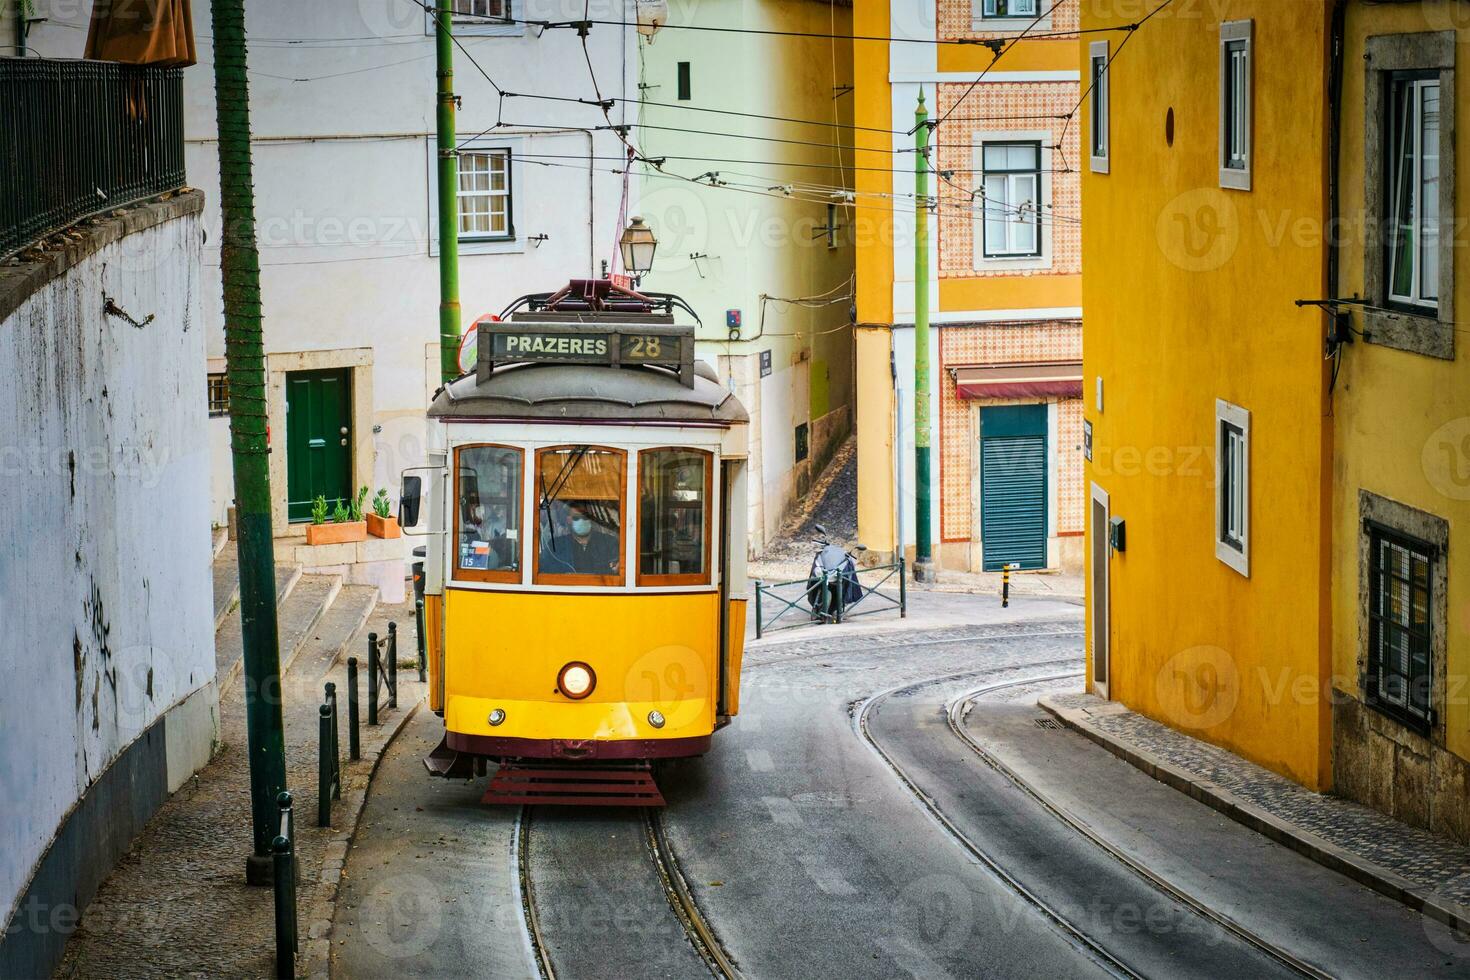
(82, 137)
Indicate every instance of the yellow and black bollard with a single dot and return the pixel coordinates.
(1005, 585)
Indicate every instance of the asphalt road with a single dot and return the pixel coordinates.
(840, 827)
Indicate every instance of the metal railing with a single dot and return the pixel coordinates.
(82, 137)
(802, 598)
(329, 759)
(283, 850)
(382, 670)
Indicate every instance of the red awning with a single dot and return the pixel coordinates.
(1055, 379)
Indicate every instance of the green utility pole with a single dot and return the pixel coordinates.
(20, 28)
(923, 560)
(448, 196)
(245, 363)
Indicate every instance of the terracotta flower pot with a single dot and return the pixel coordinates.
(336, 533)
(383, 527)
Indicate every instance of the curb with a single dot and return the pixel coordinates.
(1304, 842)
(316, 947)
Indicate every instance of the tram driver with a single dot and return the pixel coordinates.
(578, 546)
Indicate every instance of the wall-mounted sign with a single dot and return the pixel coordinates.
(765, 363)
(1087, 440)
(586, 343)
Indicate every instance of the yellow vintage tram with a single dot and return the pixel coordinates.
(584, 579)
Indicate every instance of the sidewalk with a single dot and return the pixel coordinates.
(1427, 873)
(178, 905)
(1067, 586)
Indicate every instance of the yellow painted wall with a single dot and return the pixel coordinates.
(1188, 291)
(1403, 420)
(874, 236)
(1009, 292)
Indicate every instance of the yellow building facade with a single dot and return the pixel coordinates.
(1206, 393)
(1004, 280)
(1278, 403)
(1401, 479)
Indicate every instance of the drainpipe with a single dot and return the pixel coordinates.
(20, 28)
(449, 316)
(923, 559)
(1334, 145)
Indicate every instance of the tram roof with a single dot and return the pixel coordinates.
(592, 392)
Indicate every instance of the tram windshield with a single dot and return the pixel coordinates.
(579, 515)
(673, 516)
(489, 509)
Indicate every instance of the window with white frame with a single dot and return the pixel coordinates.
(1413, 195)
(485, 195)
(1010, 199)
(1235, 104)
(1232, 486)
(471, 11)
(1097, 61)
(1008, 8)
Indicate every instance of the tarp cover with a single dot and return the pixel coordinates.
(1056, 379)
(142, 32)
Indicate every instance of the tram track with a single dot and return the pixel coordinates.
(954, 715)
(672, 884)
(1078, 938)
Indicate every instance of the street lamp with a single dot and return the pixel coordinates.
(637, 244)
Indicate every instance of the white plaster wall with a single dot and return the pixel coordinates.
(105, 603)
(342, 115)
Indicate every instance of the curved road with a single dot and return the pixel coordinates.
(841, 826)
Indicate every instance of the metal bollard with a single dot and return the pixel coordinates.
(903, 591)
(418, 612)
(283, 853)
(1005, 585)
(757, 609)
(354, 741)
(324, 768)
(336, 755)
(392, 664)
(372, 678)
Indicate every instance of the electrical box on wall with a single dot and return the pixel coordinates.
(732, 324)
(1118, 534)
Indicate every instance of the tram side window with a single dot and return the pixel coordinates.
(489, 535)
(580, 515)
(674, 517)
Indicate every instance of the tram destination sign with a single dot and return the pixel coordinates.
(607, 344)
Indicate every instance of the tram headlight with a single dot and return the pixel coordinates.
(656, 719)
(576, 680)
(497, 716)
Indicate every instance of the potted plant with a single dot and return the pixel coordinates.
(380, 522)
(346, 525)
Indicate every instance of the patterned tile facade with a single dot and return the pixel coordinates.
(1012, 108)
(957, 18)
(1004, 343)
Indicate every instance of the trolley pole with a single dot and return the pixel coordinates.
(923, 559)
(449, 316)
(245, 361)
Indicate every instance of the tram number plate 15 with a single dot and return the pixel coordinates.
(649, 347)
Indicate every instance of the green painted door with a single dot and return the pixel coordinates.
(1013, 486)
(318, 439)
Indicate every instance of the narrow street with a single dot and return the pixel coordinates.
(850, 822)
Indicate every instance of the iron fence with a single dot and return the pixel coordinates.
(801, 602)
(82, 137)
(382, 670)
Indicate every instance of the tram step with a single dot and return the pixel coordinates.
(574, 786)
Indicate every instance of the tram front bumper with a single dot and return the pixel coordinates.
(578, 729)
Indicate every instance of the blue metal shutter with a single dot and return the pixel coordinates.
(1013, 488)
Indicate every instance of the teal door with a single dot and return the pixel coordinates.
(318, 439)
(1013, 486)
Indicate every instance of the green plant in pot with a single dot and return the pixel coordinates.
(380, 522)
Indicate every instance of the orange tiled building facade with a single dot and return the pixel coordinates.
(1005, 282)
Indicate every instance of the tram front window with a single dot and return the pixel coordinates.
(673, 517)
(579, 515)
(489, 538)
